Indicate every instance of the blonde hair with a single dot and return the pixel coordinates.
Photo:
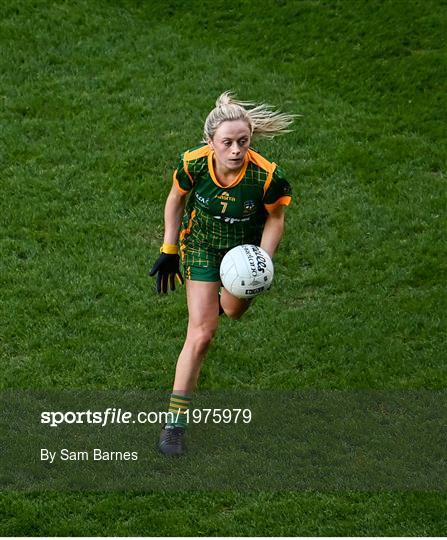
(262, 120)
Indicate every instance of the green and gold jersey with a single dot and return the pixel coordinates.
(221, 217)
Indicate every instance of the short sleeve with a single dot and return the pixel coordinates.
(182, 179)
(278, 192)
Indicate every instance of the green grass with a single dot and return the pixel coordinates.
(97, 99)
(225, 514)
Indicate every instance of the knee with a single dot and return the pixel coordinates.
(201, 336)
(234, 310)
(234, 314)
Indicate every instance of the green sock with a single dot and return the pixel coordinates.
(179, 406)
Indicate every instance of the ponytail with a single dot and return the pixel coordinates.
(262, 120)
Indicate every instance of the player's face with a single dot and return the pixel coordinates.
(230, 144)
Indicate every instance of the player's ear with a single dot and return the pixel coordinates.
(210, 142)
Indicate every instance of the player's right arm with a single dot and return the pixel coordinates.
(167, 266)
(174, 207)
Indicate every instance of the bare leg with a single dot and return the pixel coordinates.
(233, 307)
(203, 308)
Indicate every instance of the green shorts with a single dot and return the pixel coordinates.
(202, 264)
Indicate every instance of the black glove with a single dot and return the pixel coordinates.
(167, 267)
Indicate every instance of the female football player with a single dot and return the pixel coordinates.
(223, 194)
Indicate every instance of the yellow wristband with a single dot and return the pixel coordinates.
(169, 249)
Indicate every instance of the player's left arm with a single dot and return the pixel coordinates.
(273, 230)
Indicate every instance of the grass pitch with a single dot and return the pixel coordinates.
(97, 100)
